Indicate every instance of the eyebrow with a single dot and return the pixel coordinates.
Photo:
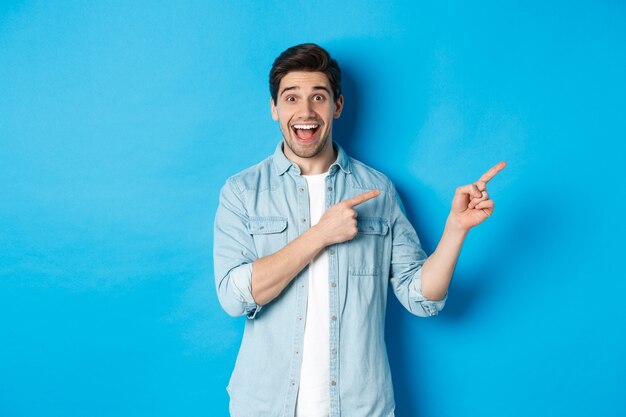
(317, 87)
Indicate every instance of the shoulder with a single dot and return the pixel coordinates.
(365, 177)
(256, 177)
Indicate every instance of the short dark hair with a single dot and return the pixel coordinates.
(305, 57)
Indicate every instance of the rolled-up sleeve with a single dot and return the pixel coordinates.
(407, 258)
(233, 254)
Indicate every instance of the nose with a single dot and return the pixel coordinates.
(306, 109)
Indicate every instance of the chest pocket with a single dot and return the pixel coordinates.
(269, 234)
(366, 249)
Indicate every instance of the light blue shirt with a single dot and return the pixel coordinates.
(263, 208)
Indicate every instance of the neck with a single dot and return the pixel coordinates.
(318, 164)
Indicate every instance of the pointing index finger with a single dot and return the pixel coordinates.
(492, 172)
(361, 198)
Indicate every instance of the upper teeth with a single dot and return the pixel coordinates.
(305, 126)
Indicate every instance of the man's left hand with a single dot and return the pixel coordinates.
(471, 204)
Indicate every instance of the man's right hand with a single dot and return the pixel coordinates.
(338, 224)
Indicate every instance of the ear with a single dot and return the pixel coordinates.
(338, 107)
(273, 108)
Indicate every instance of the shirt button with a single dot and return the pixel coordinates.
(333, 318)
(334, 351)
(301, 189)
(299, 318)
(330, 188)
(292, 383)
(333, 383)
(303, 220)
(334, 284)
(331, 251)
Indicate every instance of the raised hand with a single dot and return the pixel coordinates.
(471, 204)
(338, 223)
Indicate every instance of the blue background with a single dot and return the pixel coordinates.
(119, 122)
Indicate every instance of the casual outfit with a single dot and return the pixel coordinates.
(261, 210)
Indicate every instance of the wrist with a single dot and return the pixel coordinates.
(318, 238)
(454, 228)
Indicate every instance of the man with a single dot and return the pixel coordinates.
(307, 243)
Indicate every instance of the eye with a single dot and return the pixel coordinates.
(319, 97)
(290, 98)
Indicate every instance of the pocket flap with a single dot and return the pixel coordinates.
(372, 225)
(266, 225)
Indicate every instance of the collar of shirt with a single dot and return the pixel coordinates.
(282, 163)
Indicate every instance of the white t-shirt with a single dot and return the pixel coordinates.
(313, 395)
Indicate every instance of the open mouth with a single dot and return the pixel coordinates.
(306, 132)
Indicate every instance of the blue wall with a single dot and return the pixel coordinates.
(120, 121)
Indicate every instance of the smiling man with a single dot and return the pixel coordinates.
(305, 107)
(307, 244)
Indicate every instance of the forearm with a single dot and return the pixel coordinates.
(438, 269)
(271, 274)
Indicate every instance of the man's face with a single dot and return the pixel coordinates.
(305, 110)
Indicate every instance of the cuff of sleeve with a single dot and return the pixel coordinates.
(241, 280)
(432, 308)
